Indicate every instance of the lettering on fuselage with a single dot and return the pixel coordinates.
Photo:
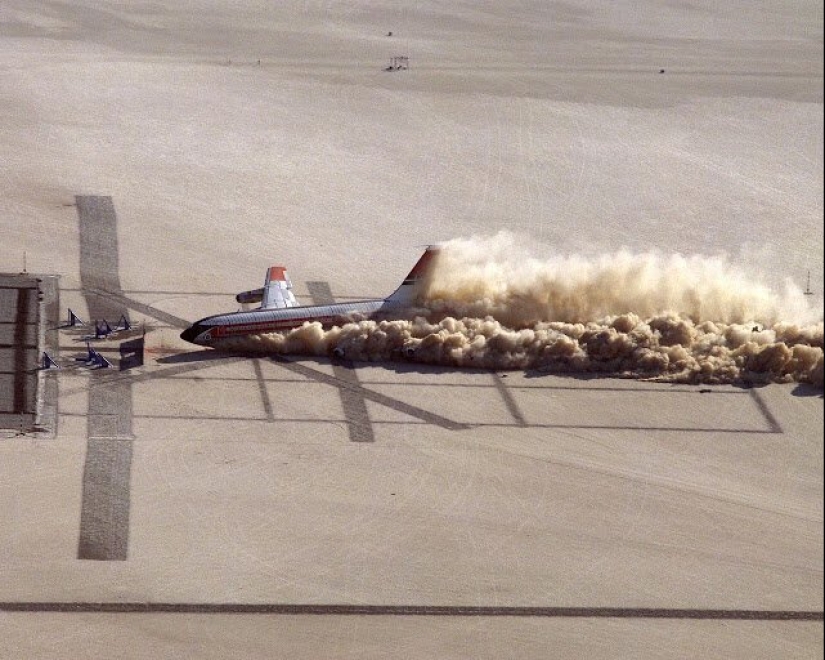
(271, 326)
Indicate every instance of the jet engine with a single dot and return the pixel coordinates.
(248, 297)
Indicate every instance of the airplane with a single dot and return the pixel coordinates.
(93, 359)
(280, 311)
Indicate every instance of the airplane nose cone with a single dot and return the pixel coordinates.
(190, 333)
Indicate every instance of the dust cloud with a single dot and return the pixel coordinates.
(489, 303)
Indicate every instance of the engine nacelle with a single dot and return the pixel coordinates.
(338, 352)
(247, 297)
(408, 351)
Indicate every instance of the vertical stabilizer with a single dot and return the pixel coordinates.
(410, 287)
(277, 291)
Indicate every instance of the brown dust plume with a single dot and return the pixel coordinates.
(490, 303)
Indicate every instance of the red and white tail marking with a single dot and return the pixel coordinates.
(277, 273)
(405, 294)
(278, 290)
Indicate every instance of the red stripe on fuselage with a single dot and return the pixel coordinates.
(233, 330)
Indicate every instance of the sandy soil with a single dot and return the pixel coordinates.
(233, 137)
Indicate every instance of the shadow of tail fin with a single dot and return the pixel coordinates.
(74, 320)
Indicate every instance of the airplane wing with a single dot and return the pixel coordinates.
(278, 290)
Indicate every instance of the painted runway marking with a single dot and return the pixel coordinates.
(104, 517)
(205, 359)
(416, 610)
(352, 397)
(104, 513)
(370, 395)
(773, 423)
(49, 409)
(99, 262)
(122, 301)
(509, 400)
(267, 404)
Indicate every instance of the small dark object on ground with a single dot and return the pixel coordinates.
(398, 63)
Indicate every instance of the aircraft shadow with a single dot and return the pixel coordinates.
(205, 355)
(400, 367)
(405, 367)
(807, 390)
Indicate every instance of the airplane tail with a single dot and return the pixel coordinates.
(405, 294)
(277, 292)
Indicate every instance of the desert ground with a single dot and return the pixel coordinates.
(156, 158)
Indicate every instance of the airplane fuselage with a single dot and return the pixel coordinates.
(279, 311)
(211, 329)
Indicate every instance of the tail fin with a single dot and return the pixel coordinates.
(277, 291)
(405, 294)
